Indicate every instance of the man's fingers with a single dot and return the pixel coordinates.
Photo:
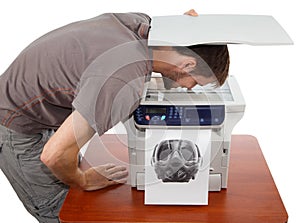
(118, 175)
(191, 12)
(114, 182)
(109, 170)
(109, 166)
(113, 173)
(115, 169)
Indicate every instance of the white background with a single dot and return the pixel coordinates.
(268, 76)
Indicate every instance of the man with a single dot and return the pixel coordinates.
(77, 80)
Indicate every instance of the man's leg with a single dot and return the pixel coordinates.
(40, 191)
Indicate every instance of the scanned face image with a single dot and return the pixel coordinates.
(176, 160)
(177, 166)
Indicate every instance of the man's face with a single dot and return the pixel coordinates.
(186, 81)
(176, 78)
(177, 68)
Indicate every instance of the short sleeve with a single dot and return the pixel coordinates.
(111, 89)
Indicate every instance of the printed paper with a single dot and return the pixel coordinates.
(177, 166)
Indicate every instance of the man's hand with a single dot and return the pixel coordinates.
(103, 176)
(191, 12)
(60, 155)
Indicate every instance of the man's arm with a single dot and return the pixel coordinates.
(60, 155)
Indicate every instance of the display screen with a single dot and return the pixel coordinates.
(156, 110)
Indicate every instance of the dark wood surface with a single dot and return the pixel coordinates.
(251, 195)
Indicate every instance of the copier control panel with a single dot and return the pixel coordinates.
(204, 115)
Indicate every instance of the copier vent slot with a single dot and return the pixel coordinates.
(225, 152)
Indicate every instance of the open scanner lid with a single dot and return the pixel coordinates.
(184, 30)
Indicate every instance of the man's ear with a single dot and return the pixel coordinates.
(188, 64)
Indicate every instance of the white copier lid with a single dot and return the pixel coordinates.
(184, 30)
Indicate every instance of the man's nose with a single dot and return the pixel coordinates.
(190, 85)
(176, 160)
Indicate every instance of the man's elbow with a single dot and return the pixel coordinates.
(49, 157)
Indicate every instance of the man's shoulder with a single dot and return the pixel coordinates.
(130, 17)
(138, 23)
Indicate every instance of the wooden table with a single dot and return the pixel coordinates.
(251, 195)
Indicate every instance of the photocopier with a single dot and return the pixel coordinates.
(202, 107)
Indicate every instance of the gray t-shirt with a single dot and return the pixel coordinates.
(97, 66)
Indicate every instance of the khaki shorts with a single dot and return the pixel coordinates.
(40, 191)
